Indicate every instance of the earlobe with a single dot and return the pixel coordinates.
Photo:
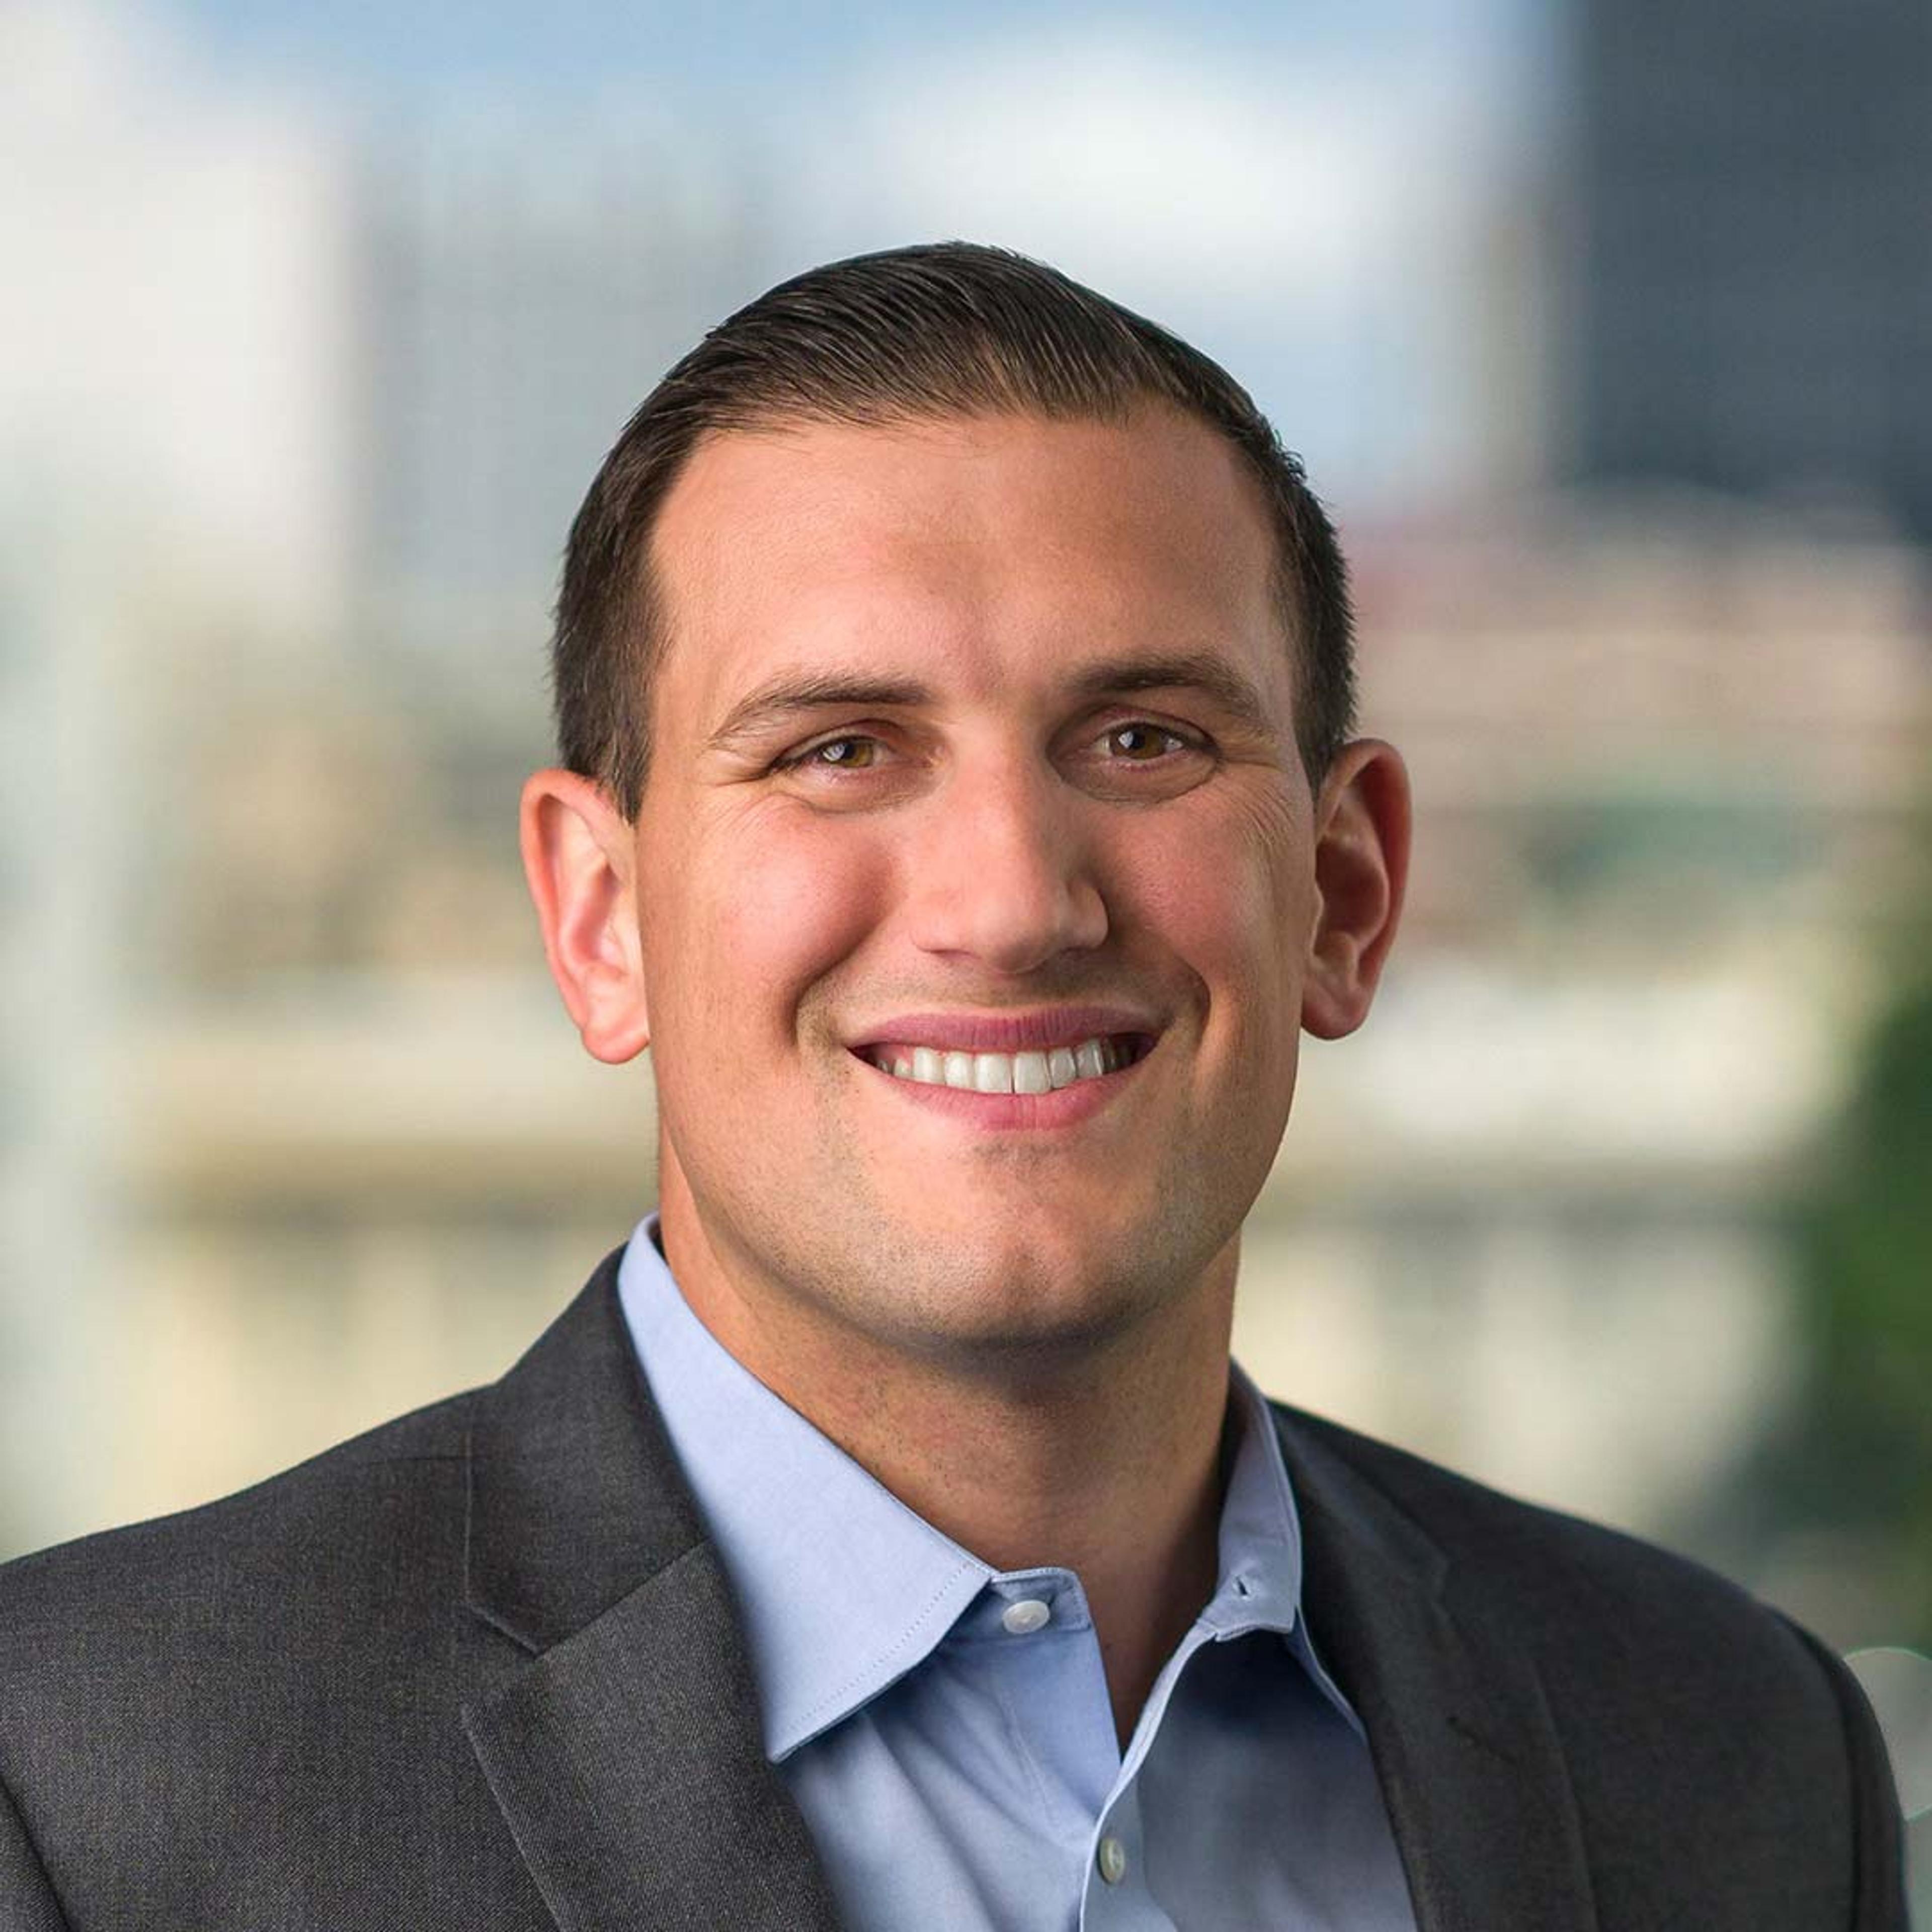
(1361, 868)
(577, 852)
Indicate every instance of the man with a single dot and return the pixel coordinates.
(958, 797)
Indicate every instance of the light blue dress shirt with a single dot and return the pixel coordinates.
(945, 1728)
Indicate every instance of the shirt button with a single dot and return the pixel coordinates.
(1113, 1859)
(1026, 1616)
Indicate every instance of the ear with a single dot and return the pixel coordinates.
(1362, 822)
(577, 851)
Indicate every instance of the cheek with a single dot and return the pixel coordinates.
(763, 907)
(1228, 898)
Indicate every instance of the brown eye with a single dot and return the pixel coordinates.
(843, 755)
(1141, 744)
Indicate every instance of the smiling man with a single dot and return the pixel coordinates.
(959, 799)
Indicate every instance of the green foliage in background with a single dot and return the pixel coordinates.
(1856, 1455)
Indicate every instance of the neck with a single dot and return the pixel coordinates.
(1106, 1462)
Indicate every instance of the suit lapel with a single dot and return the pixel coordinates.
(622, 1744)
(1471, 1767)
(621, 1740)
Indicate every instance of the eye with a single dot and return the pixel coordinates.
(852, 752)
(1141, 743)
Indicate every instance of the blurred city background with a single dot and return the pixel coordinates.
(1607, 331)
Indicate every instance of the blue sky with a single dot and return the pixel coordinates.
(379, 47)
(1310, 194)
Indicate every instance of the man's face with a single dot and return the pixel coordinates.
(973, 758)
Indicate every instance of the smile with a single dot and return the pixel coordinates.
(1027, 1073)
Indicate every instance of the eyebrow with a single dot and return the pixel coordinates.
(1189, 671)
(790, 693)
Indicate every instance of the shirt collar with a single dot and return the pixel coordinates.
(1260, 1586)
(843, 1589)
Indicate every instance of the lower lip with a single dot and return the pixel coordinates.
(1064, 1107)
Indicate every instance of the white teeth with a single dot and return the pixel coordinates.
(1003, 1072)
(992, 1073)
(1030, 1074)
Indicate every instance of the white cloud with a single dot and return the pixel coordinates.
(1151, 162)
(1310, 220)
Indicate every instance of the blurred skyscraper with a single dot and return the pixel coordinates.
(1752, 264)
(524, 284)
(169, 462)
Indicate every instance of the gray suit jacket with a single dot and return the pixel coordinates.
(481, 1670)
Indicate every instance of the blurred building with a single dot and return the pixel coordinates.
(293, 419)
(170, 422)
(524, 284)
(1671, 773)
(1751, 284)
(172, 346)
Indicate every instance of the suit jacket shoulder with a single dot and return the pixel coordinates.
(185, 1702)
(475, 1667)
(1712, 1750)
(480, 1667)
(1556, 1572)
(323, 1513)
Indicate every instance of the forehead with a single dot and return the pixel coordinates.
(1002, 547)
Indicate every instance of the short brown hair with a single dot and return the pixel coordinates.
(947, 329)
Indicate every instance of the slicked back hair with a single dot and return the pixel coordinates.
(941, 332)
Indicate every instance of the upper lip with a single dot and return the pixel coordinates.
(1038, 1030)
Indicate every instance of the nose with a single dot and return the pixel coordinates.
(1001, 872)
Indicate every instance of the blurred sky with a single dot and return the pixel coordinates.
(1301, 191)
(764, 53)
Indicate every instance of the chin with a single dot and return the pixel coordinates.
(1004, 1298)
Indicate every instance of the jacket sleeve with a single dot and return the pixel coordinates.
(27, 1900)
(1878, 1891)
